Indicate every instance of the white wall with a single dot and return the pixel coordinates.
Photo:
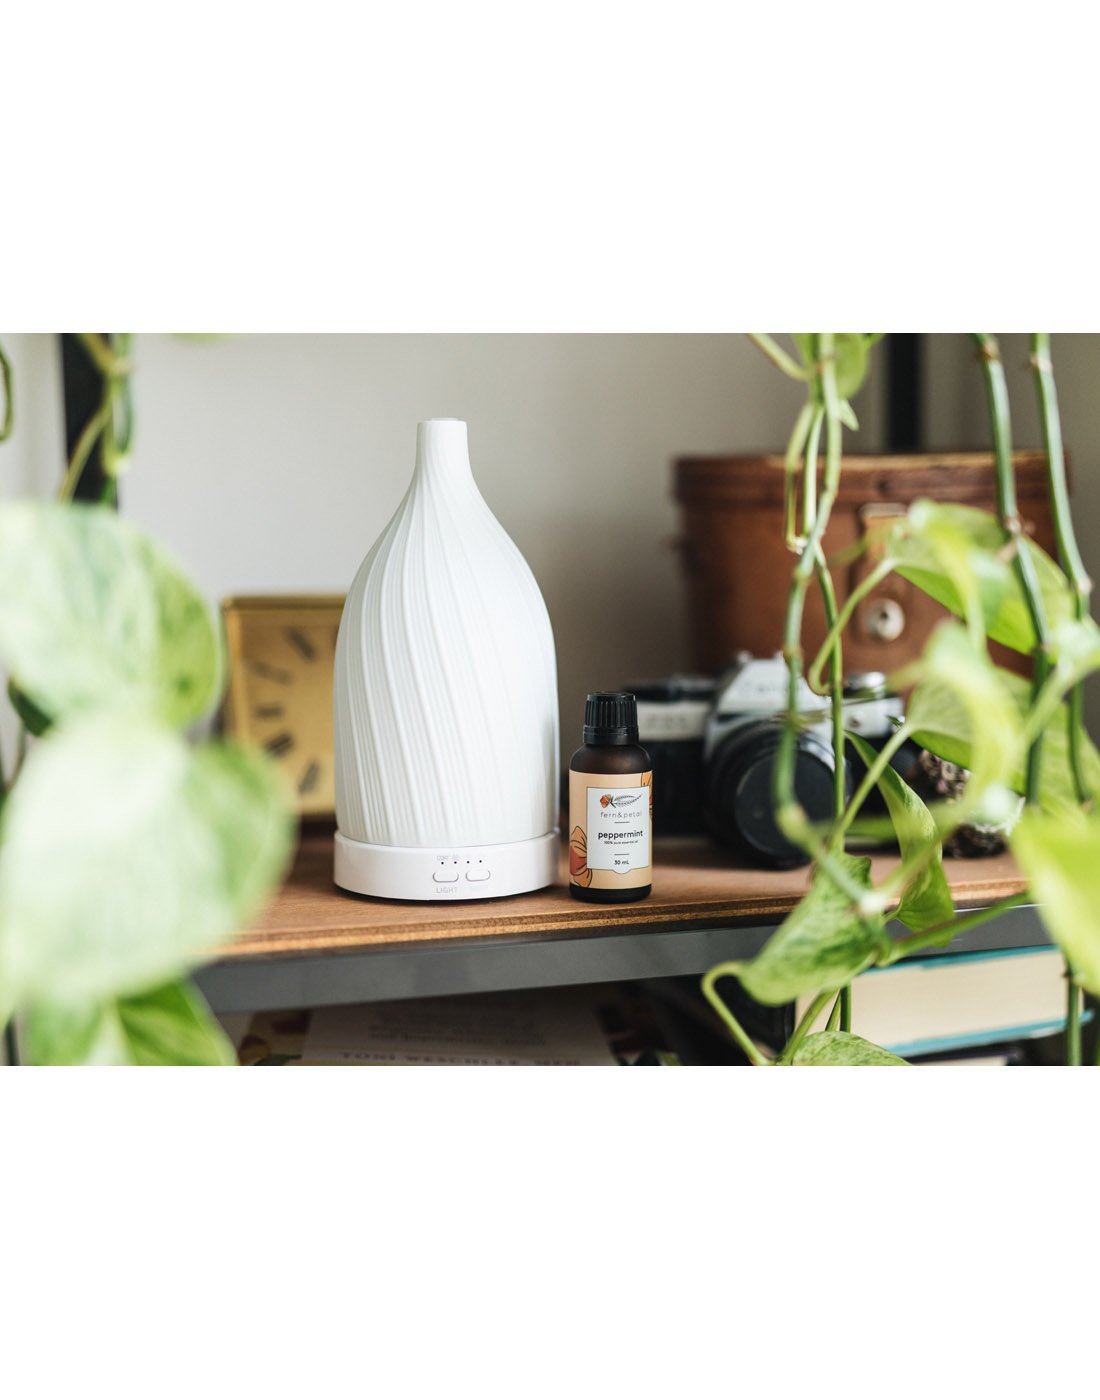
(272, 462)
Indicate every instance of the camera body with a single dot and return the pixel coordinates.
(714, 745)
(672, 724)
(741, 746)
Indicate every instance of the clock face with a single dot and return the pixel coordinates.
(280, 692)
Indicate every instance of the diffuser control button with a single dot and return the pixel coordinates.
(445, 874)
(479, 874)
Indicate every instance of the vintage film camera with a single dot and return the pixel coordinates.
(714, 744)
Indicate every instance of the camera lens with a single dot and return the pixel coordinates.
(739, 806)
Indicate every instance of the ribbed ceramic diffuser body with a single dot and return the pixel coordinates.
(446, 715)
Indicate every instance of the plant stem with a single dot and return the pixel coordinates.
(1064, 676)
(813, 1011)
(103, 355)
(1069, 556)
(809, 484)
(112, 423)
(778, 356)
(790, 815)
(828, 596)
(997, 398)
(8, 420)
(857, 595)
(1073, 1018)
(792, 464)
(873, 774)
(834, 1015)
(836, 685)
(118, 397)
(83, 449)
(787, 809)
(729, 1019)
(846, 1008)
(1075, 728)
(931, 937)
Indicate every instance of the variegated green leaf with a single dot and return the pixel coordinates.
(959, 556)
(927, 901)
(820, 946)
(95, 615)
(170, 1025)
(127, 856)
(1060, 855)
(842, 1048)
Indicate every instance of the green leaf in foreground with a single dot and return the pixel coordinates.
(927, 901)
(1077, 648)
(947, 729)
(842, 1048)
(127, 856)
(951, 667)
(960, 556)
(853, 360)
(820, 946)
(95, 614)
(1060, 855)
(170, 1025)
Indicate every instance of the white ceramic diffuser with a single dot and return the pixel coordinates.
(445, 700)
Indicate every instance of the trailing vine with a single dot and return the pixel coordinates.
(7, 416)
(1000, 586)
(112, 425)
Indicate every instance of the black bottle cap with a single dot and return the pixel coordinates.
(611, 717)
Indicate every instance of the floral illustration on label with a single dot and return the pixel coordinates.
(618, 799)
(578, 858)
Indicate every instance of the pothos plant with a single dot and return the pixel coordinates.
(1031, 764)
(128, 853)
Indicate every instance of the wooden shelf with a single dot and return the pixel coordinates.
(695, 886)
(316, 946)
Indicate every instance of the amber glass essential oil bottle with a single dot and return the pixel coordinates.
(610, 805)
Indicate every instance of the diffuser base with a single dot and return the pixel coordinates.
(446, 873)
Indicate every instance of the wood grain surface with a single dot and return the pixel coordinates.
(694, 884)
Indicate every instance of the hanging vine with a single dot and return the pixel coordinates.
(1000, 586)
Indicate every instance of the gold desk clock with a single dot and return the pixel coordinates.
(281, 654)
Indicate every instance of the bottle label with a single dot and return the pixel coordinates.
(611, 830)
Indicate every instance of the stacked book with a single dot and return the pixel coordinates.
(947, 1007)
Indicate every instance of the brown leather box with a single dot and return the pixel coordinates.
(737, 568)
